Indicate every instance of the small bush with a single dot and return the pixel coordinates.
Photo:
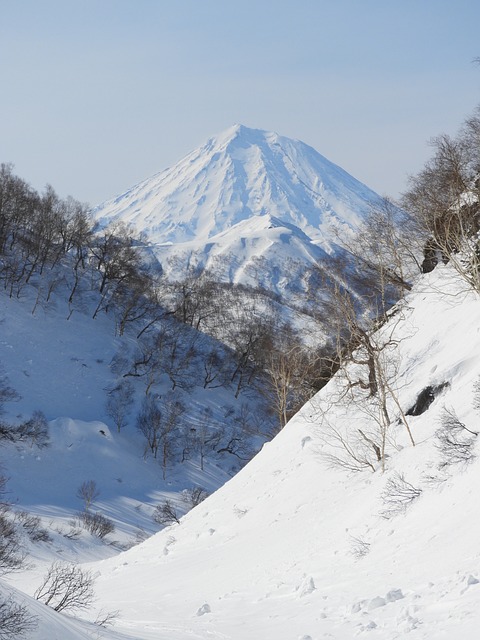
(359, 547)
(455, 442)
(15, 620)
(33, 527)
(35, 430)
(73, 533)
(397, 496)
(166, 513)
(11, 554)
(97, 524)
(66, 587)
(194, 496)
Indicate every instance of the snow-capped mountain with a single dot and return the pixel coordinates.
(245, 194)
(235, 176)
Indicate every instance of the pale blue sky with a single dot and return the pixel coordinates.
(99, 94)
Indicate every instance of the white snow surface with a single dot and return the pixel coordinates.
(238, 174)
(272, 554)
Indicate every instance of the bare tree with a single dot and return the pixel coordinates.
(66, 587)
(397, 496)
(119, 402)
(116, 260)
(11, 553)
(166, 513)
(35, 430)
(88, 492)
(7, 393)
(205, 435)
(15, 619)
(194, 496)
(173, 412)
(149, 423)
(293, 374)
(386, 252)
(367, 379)
(454, 440)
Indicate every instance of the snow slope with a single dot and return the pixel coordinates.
(62, 367)
(291, 548)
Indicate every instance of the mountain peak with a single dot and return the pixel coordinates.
(240, 173)
(240, 133)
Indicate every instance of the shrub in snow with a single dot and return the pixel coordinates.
(7, 394)
(359, 547)
(11, 555)
(66, 587)
(454, 441)
(97, 524)
(35, 430)
(397, 496)
(106, 618)
(33, 527)
(15, 620)
(194, 496)
(119, 402)
(166, 513)
(72, 534)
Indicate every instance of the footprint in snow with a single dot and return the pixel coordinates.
(205, 608)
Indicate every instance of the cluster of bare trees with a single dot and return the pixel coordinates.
(367, 362)
(440, 221)
(14, 616)
(36, 231)
(444, 201)
(362, 321)
(51, 243)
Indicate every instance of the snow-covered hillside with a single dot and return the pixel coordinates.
(292, 547)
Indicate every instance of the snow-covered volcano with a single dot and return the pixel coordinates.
(238, 175)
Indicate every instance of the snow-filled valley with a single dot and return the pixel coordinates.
(291, 547)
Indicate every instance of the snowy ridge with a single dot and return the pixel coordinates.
(261, 251)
